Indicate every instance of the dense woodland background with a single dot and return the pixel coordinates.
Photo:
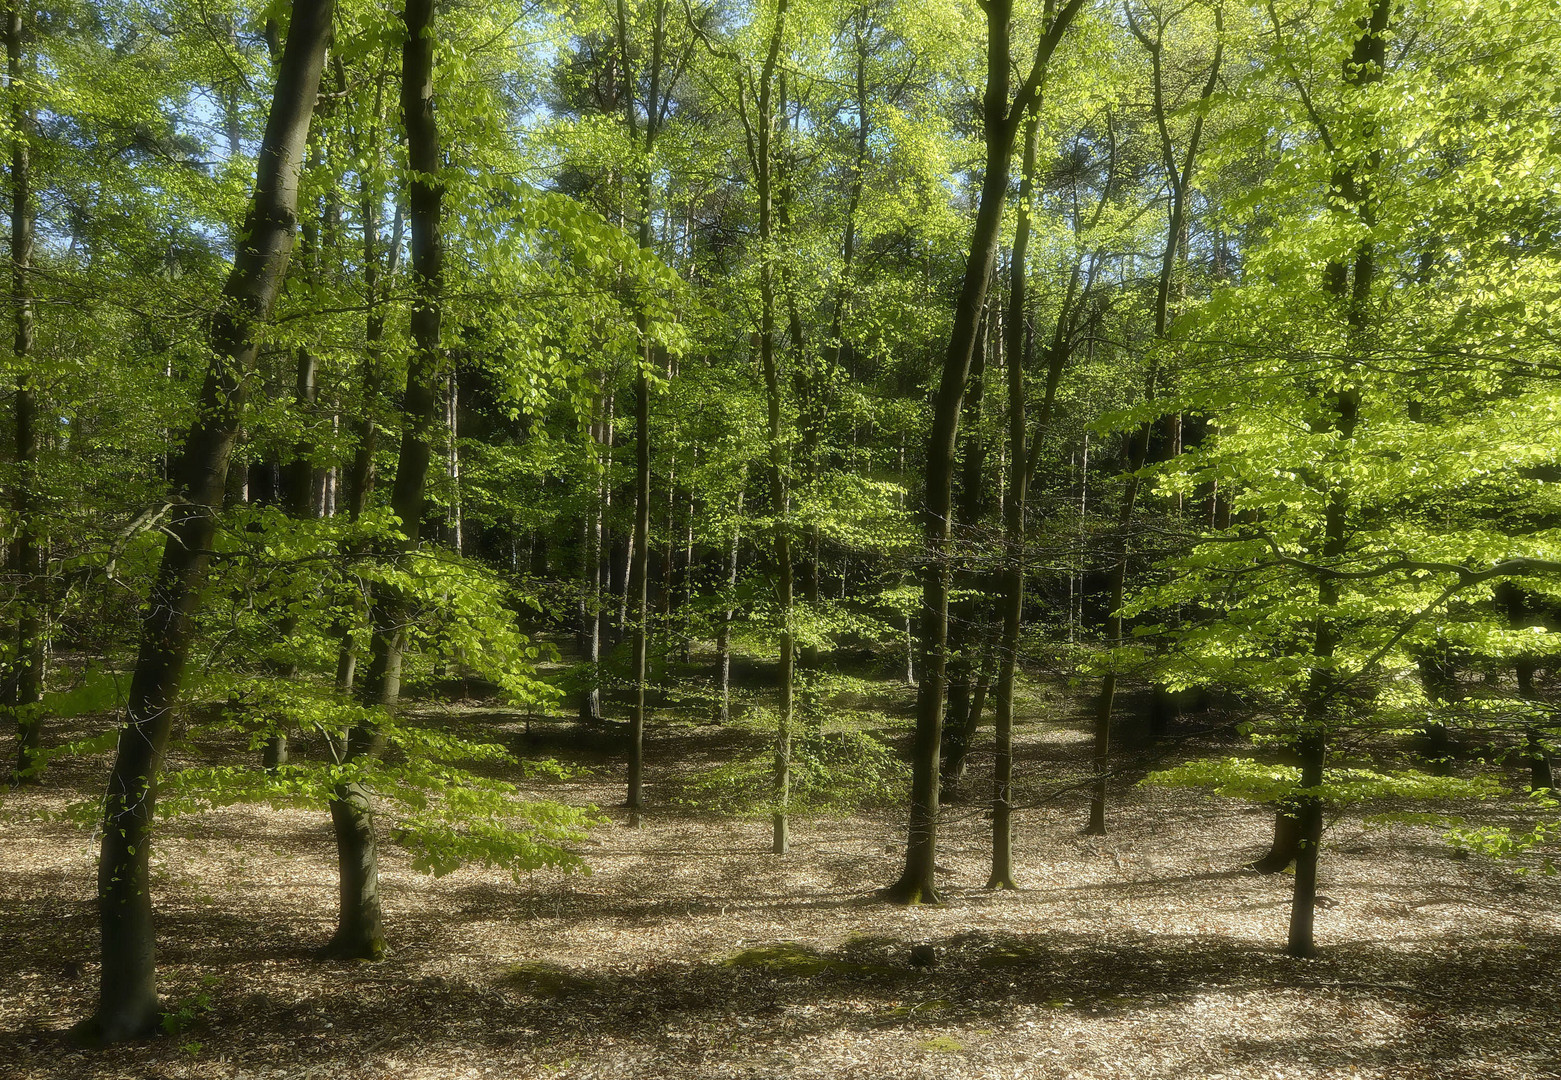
(512, 431)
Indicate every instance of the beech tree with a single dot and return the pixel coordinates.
(1003, 114)
(128, 1006)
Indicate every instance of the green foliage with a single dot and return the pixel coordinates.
(1245, 778)
(833, 770)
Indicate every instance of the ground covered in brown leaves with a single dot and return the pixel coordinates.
(692, 952)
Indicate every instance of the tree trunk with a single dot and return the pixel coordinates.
(127, 1004)
(1541, 774)
(591, 594)
(1105, 702)
(964, 717)
(637, 593)
(25, 690)
(639, 563)
(916, 883)
(723, 643)
(360, 931)
(360, 477)
(1287, 840)
(1178, 180)
(1352, 195)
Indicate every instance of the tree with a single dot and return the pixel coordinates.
(25, 681)
(127, 1004)
(1355, 546)
(1002, 118)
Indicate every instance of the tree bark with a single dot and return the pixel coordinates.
(1287, 841)
(639, 562)
(1541, 772)
(25, 689)
(1352, 196)
(760, 131)
(1179, 181)
(360, 929)
(723, 642)
(127, 1004)
(591, 550)
(360, 476)
(917, 883)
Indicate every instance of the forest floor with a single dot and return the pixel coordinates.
(691, 952)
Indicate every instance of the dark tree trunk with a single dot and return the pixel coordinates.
(360, 930)
(964, 717)
(1287, 841)
(1439, 679)
(1541, 774)
(127, 1005)
(1105, 702)
(637, 598)
(1352, 195)
(917, 883)
(25, 689)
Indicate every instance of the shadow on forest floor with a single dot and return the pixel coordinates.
(691, 953)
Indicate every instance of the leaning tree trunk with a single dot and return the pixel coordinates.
(917, 883)
(360, 932)
(25, 689)
(127, 1004)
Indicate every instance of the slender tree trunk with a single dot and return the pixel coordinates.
(1105, 702)
(591, 551)
(452, 466)
(723, 644)
(360, 930)
(360, 476)
(25, 690)
(761, 132)
(1023, 459)
(127, 1004)
(964, 613)
(917, 882)
(1353, 196)
(637, 591)
(1179, 180)
(638, 595)
(300, 506)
